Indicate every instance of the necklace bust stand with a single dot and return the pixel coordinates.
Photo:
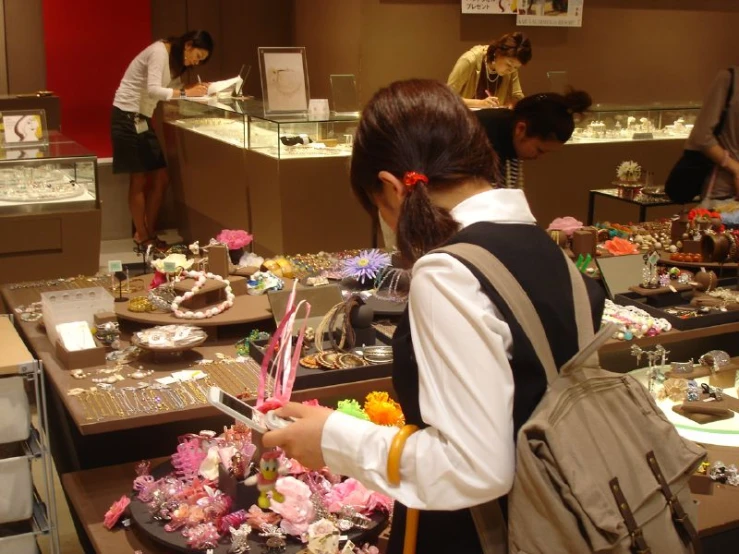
(361, 321)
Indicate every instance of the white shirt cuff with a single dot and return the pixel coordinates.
(342, 441)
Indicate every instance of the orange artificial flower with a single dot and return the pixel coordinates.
(383, 410)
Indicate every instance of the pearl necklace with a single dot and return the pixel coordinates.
(633, 322)
(201, 277)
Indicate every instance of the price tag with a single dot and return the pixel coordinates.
(114, 266)
(654, 258)
(170, 267)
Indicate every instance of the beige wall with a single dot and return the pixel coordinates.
(627, 51)
(330, 32)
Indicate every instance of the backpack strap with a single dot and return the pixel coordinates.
(589, 342)
(638, 544)
(493, 270)
(684, 526)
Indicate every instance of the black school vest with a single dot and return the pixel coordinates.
(538, 265)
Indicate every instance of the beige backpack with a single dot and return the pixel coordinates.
(599, 466)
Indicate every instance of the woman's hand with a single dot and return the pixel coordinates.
(302, 438)
(198, 89)
(489, 102)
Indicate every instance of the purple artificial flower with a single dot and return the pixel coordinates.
(366, 266)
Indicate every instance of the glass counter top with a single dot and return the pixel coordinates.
(58, 147)
(255, 108)
(722, 433)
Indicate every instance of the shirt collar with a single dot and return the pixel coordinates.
(494, 206)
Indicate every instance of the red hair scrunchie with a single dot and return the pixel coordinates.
(412, 178)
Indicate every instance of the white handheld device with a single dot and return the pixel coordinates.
(243, 412)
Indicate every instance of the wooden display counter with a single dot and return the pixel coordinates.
(92, 492)
(289, 205)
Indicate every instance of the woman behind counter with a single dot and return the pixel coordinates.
(136, 150)
(487, 76)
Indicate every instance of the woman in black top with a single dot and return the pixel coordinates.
(539, 124)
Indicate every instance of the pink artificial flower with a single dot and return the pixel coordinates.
(311, 402)
(567, 225)
(349, 493)
(115, 512)
(379, 503)
(255, 517)
(367, 549)
(296, 509)
(234, 239)
(159, 279)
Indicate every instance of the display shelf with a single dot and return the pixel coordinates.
(642, 200)
(244, 124)
(18, 362)
(617, 123)
(720, 433)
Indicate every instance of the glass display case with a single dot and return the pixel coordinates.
(243, 123)
(610, 123)
(60, 175)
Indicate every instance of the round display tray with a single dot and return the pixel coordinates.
(246, 309)
(665, 260)
(168, 349)
(142, 519)
(721, 433)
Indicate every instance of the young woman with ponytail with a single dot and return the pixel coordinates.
(463, 370)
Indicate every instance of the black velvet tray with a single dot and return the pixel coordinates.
(655, 305)
(141, 518)
(308, 378)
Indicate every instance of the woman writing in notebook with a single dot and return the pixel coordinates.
(463, 370)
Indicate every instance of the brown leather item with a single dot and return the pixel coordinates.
(639, 545)
(710, 408)
(682, 522)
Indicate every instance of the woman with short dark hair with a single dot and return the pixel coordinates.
(486, 76)
(136, 150)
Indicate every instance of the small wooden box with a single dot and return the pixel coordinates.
(218, 260)
(77, 359)
(584, 242)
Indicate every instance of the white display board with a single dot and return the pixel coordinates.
(550, 13)
(494, 7)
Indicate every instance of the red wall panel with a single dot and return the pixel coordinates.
(89, 44)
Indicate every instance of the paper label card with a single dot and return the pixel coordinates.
(495, 7)
(170, 267)
(115, 266)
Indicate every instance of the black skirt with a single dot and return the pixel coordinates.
(134, 152)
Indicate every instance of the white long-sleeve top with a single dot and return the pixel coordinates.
(145, 82)
(462, 347)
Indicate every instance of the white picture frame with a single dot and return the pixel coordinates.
(284, 75)
(24, 128)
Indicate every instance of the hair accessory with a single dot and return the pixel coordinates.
(412, 178)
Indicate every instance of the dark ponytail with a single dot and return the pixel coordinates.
(419, 126)
(513, 45)
(551, 116)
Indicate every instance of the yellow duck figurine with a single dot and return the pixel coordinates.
(266, 478)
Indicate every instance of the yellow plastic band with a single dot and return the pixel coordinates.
(396, 451)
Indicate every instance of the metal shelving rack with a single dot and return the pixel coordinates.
(43, 522)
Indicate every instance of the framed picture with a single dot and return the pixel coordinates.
(284, 73)
(24, 128)
(550, 13)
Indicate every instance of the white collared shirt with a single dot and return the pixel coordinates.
(462, 346)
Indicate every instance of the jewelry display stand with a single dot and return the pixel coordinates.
(20, 537)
